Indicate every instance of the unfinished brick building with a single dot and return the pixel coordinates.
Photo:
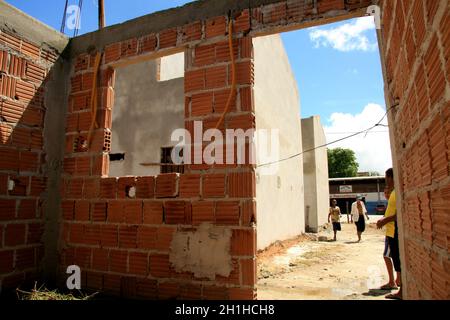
(58, 207)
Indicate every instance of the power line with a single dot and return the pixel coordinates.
(332, 142)
(384, 131)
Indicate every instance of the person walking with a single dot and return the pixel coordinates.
(359, 215)
(335, 216)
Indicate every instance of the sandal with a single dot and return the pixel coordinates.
(394, 296)
(388, 287)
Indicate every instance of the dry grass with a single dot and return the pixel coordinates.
(43, 293)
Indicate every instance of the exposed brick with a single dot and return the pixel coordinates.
(202, 211)
(216, 77)
(243, 242)
(108, 188)
(221, 100)
(215, 293)
(6, 261)
(68, 209)
(118, 261)
(138, 263)
(15, 234)
(152, 212)
(241, 184)
(147, 43)
(248, 269)
(216, 27)
(201, 104)
(159, 265)
(27, 209)
(145, 187)
(242, 294)
(147, 288)
(227, 213)
(168, 38)
(164, 236)
(242, 21)
(248, 213)
(168, 290)
(146, 237)
(177, 212)
(189, 185)
(166, 185)
(25, 258)
(123, 186)
(192, 31)
(112, 52)
(82, 209)
(128, 48)
(194, 80)
(213, 185)
(109, 236)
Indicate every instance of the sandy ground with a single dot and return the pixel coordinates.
(306, 268)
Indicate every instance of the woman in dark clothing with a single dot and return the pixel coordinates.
(359, 215)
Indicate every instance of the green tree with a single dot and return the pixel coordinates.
(342, 163)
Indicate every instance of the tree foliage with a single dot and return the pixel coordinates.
(342, 163)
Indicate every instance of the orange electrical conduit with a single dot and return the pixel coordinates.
(233, 73)
(94, 99)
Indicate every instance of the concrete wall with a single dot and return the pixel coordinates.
(145, 113)
(279, 195)
(315, 170)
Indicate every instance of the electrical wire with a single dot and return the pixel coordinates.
(329, 143)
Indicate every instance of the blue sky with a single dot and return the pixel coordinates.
(337, 67)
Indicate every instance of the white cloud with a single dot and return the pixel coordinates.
(373, 151)
(347, 37)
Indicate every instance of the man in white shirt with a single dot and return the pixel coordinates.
(359, 215)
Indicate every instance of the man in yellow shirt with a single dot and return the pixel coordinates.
(391, 243)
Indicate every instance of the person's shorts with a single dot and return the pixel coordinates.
(387, 249)
(395, 252)
(336, 226)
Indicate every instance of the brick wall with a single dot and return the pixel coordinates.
(416, 47)
(122, 244)
(24, 70)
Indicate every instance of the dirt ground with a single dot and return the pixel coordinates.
(306, 268)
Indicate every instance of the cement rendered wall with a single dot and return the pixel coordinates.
(145, 113)
(315, 170)
(279, 194)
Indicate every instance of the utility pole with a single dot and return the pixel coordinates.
(101, 14)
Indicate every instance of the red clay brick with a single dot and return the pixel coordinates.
(25, 258)
(146, 237)
(241, 184)
(192, 31)
(166, 185)
(202, 212)
(145, 187)
(68, 209)
(27, 209)
(128, 48)
(118, 261)
(15, 234)
(215, 27)
(194, 80)
(153, 212)
(123, 187)
(189, 185)
(138, 263)
(243, 242)
(159, 265)
(216, 77)
(248, 269)
(168, 38)
(147, 43)
(109, 236)
(213, 185)
(82, 209)
(227, 213)
(35, 231)
(133, 212)
(201, 104)
(108, 188)
(164, 237)
(176, 212)
(6, 261)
